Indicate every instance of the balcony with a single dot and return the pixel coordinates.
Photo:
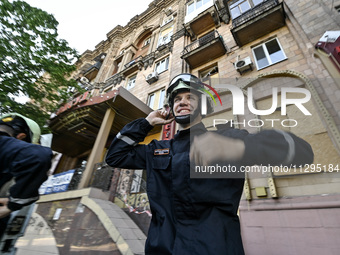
(202, 22)
(132, 66)
(258, 21)
(114, 79)
(205, 49)
(92, 72)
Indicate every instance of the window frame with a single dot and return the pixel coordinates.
(132, 77)
(158, 63)
(167, 20)
(267, 55)
(161, 40)
(238, 6)
(156, 96)
(151, 96)
(194, 2)
(147, 41)
(161, 98)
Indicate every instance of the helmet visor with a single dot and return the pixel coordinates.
(188, 79)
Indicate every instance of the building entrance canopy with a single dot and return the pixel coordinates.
(76, 125)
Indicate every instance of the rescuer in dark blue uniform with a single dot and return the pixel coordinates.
(22, 160)
(197, 216)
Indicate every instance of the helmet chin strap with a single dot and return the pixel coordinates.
(185, 119)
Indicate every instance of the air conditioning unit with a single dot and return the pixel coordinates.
(243, 65)
(84, 80)
(152, 77)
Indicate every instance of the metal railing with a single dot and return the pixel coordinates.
(254, 12)
(208, 38)
(134, 61)
(102, 176)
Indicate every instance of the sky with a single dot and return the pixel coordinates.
(85, 23)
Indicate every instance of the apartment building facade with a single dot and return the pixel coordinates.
(266, 49)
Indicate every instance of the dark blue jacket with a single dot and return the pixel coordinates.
(28, 164)
(196, 216)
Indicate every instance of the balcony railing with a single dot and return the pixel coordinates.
(254, 12)
(133, 62)
(205, 40)
(114, 79)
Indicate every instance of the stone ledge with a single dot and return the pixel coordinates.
(124, 232)
(88, 192)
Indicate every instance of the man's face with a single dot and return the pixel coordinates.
(185, 103)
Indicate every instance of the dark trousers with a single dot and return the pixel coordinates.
(3, 225)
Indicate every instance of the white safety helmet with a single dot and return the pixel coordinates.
(22, 124)
(188, 82)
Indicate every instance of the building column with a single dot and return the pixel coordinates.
(108, 65)
(98, 148)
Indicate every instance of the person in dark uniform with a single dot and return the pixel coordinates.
(21, 160)
(196, 216)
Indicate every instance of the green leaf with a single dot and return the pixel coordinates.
(31, 52)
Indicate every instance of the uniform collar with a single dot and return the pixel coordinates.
(193, 131)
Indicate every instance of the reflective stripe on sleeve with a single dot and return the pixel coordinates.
(291, 147)
(23, 201)
(126, 139)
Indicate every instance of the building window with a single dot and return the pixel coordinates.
(151, 100)
(196, 4)
(195, 7)
(268, 54)
(116, 65)
(165, 36)
(161, 99)
(131, 82)
(241, 6)
(147, 41)
(156, 99)
(210, 75)
(167, 20)
(162, 65)
(210, 72)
